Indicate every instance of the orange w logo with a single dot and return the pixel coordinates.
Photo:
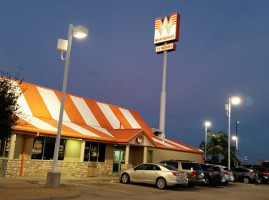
(166, 24)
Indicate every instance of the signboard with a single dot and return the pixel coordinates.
(166, 47)
(167, 29)
(138, 140)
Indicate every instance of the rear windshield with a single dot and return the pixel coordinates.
(171, 163)
(210, 168)
(194, 166)
(170, 167)
(226, 169)
(259, 169)
(206, 166)
(216, 168)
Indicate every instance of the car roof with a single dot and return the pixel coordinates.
(178, 161)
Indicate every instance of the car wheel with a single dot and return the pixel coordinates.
(125, 178)
(246, 180)
(259, 180)
(206, 181)
(225, 183)
(161, 183)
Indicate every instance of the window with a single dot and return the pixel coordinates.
(4, 147)
(43, 148)
(191, 166)
(95, 151)
(171, 163)
(141, 167)
(170, 167)
(153, 167)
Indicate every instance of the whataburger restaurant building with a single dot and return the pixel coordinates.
(97, 138)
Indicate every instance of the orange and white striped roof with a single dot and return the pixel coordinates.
(83, 118)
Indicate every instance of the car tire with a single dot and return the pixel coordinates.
(125, 178)
(246, 180)
(161, 183)
(225, 183)
(207, 182)
(259, 180)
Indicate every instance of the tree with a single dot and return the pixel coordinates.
(217, 148)
(8, 104)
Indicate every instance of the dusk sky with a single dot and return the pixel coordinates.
(223, 51)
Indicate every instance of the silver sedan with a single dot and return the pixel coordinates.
(157, 174)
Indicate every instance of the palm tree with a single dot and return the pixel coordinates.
(217, 148)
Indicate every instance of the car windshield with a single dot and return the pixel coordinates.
(170, 167)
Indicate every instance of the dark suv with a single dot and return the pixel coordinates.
(213, 174)
(194, 170)
(246, 175)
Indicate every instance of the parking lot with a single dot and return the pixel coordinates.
(110, 190)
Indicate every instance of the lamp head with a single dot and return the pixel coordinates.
(80, 32)
(235, 100)
(207, 123)
(234, 137)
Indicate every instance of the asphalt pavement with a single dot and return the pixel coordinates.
(30, 188)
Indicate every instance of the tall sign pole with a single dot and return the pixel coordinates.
(166, 30)
(163, 96)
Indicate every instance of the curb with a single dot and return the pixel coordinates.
(56, 197)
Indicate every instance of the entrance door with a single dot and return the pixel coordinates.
(118, 160)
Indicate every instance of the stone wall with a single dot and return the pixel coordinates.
(11, 168)
(126, 166)
(104, 169)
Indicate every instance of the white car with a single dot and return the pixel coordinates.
(157, 174)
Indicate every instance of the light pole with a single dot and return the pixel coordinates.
(236, 146)
(54, 176)
(235, 101)
(207, 124)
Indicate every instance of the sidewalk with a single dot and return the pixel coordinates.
(24, 188)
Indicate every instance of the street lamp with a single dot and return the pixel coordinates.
(235, 101)
(236, 146)
(54, 176)
(207, 124)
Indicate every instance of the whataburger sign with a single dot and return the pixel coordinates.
(166, 30)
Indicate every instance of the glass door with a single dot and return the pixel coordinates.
(118, 160)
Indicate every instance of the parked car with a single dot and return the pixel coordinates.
(213, 174)
(246, 175)
(194, 170)
(159, 175)
(227, 175)
(263, 173)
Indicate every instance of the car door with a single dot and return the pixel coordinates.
(152, 173)
(139, 173)
(238, 173)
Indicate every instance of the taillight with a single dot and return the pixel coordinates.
(193, 173)
(225, 173)
(175, 173)
(252, 171)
